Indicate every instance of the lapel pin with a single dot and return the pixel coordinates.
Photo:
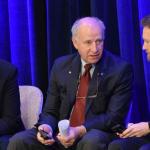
(69, 72)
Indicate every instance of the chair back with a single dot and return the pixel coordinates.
(31, 99)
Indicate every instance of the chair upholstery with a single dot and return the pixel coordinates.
(31, 99)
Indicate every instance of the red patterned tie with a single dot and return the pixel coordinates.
(78, 113)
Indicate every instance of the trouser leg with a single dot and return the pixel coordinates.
(145, 147)
(127, 144)
(26, 140)
(95, 140)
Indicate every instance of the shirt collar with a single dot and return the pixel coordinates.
(83, 63)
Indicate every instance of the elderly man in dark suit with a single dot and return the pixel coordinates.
(10, 119)
(105, 103)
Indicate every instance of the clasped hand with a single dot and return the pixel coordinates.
(135, 130)
(69, 140)
(48, 130)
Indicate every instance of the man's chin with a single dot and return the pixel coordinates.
(93, 61)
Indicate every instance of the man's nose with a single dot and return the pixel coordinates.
(94, 47)
(144, 46)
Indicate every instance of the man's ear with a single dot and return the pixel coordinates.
(74, 41)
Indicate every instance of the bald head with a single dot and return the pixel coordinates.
(87, 21)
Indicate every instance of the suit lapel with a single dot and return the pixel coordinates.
(95, 83)
(73, 78)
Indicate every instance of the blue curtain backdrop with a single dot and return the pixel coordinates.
(33, 33)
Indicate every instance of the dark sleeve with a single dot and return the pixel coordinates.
(10, 120)
(118, 103)
(50, 113)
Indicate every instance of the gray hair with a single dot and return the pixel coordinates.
(78, 22)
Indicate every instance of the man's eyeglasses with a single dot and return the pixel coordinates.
(89, 96)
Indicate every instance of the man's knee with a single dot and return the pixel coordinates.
(94, 139)
(115, 145)
(16, 140)
(87, 144)
(22, 139)
(88, 141)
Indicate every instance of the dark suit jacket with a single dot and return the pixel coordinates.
(114, 78)
(10, 120)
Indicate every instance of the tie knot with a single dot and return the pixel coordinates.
(87, 68)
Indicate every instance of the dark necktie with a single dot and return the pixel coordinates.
(78, 113)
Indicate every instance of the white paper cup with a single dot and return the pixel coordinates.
(63, 126)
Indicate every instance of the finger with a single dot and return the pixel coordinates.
(130, 124)
(129, 134)
(40, 139)
(67, 145)
(70, 143)
(40, 128)
(48, 142)
(63, 139)
(43, 141)
(127, 131)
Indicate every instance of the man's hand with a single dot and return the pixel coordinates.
(74, 133)
(136, 130)
(47, 129)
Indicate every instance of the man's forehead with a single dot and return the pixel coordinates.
(146, 30)
(146, 33)
(89, 32)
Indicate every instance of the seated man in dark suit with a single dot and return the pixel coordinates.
(10, 120)
(91, 88)
(137, 135)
